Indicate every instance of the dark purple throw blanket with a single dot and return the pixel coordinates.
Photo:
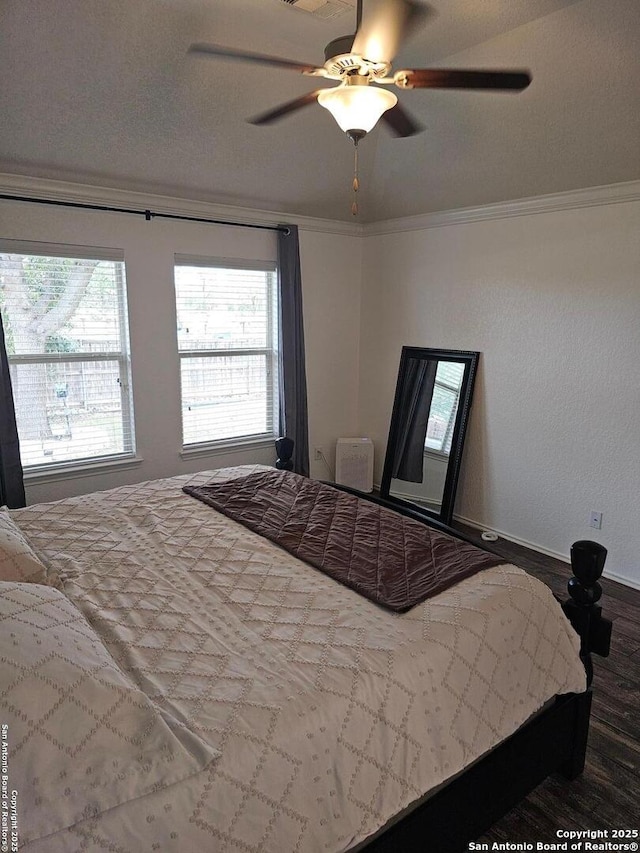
(389, 558)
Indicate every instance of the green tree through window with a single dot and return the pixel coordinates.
(67, 341)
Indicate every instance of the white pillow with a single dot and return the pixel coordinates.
(17, 560)
(81, 737)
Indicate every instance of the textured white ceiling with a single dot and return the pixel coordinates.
(103, 92)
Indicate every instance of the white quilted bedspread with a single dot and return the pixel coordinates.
(331, 715)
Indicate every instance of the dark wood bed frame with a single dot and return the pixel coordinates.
(554, 741)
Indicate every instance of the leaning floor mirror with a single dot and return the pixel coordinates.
(427, 431)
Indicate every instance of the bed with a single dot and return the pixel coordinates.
(174, 681)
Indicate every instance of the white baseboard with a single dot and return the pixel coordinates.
(540, 549)
(421, 503)
(515, 539)
(621, 579)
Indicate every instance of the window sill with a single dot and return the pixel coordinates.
(76, 470)
(221, 448)
(435, 454)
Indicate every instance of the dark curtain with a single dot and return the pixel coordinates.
(11, 481)
(415, 404)
(293, 381)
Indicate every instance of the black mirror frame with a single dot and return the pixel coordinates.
(470, 360)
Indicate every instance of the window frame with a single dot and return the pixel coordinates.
(45, 472)
(448, 433)
(270, 353)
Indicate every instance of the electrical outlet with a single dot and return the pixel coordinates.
(317, 454)
(595, 519)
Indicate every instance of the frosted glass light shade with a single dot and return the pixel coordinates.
(356, 107)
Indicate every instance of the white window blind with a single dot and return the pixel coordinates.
(444, 406)
(227, 342)
(64, 314)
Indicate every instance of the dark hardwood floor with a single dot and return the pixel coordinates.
(607, 795)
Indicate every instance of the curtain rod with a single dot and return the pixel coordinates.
(148, 214)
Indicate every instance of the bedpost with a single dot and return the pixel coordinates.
(284, 449)
(585, 614)
(582, 610)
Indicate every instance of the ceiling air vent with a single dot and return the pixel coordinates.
(326, 9)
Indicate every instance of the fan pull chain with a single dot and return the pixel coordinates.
(356, 182)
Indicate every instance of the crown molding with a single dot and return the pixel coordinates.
(628, 191)
(31, 187)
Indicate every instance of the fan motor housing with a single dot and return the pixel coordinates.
(341, 45)
(340, 60)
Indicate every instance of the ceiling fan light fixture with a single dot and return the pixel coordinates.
(356, 107)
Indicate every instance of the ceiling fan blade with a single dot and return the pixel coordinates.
(446, 78)
(221, 52)
(284, 109)
(400, 122)
(385, 25)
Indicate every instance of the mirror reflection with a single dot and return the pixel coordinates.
(431, 407)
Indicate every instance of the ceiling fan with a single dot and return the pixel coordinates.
(361, 64)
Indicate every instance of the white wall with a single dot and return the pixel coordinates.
(431, 490)
(552, 301)
(331, 272)
(331, 290)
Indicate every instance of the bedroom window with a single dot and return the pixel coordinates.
(227, 343)
(64, 313)
(444, 407)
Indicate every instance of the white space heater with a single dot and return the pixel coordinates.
(354, 463)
